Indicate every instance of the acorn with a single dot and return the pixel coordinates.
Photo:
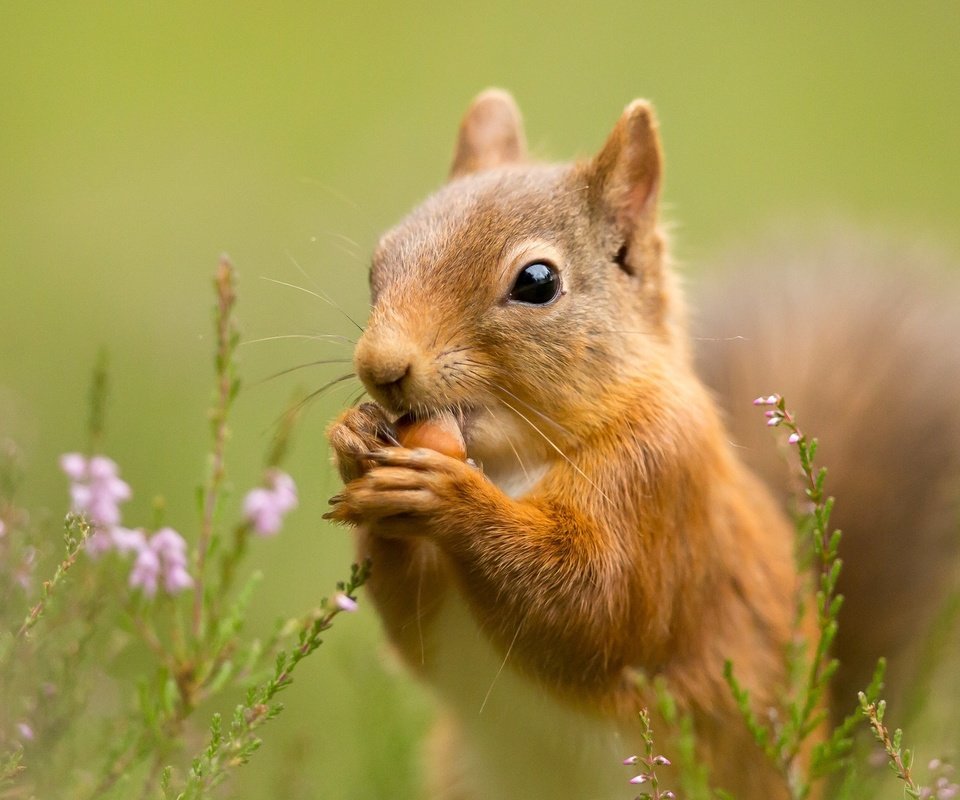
(440, 433)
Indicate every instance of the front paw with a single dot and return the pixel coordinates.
(410, 491)
(355, 433)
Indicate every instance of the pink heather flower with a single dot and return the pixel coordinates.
(345, 602)
(285, 491)
(265, 506)
(26, 732)
(127, 541)
(146, 572)
(163, 556)
(96, 490)
(74, 465)
(641, 778)
(629, 762)
(793, 438)
(262, 512)
(98, 543)
(176, 580)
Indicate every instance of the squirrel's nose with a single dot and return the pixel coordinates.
(383, 363)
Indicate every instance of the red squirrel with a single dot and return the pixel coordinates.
(595, 523)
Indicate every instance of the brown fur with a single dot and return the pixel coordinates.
(638, 542)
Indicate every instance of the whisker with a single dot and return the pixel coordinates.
(423, 649)
(720, 338)
(328, 337)
(506, 657)
(303, 366)
(336, 193)
(536, 411)
(510, 443)
(565, 457)
(318, 392)
(322, 297)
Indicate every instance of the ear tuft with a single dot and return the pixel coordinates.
(625, 176)
(491, 134)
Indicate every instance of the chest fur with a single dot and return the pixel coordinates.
(512, 740)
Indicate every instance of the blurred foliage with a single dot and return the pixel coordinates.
(139, 140)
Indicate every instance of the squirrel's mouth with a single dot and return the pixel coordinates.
(464, 416)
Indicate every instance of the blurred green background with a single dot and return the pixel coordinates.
(139, 140)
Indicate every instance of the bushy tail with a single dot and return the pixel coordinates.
(862, 337)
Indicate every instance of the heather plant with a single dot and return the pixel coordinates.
(810, 665)
(168, 606)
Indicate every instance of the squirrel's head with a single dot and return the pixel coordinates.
(522, 290)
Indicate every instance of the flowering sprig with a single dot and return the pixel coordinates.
(96, 491)
(228, 386)
(163, 556)
(649, 763)
(235, 746)
(810, 675)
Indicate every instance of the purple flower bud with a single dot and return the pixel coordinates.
(128, 541)
(98, 543)
(774, 421)
(80, 497)
(661, 761)
(102, 468)
(146, 572)
(285, 491)
(74, 465)
(345, 602)
(641, 778)
(264, 507)
(629, 762)
(260, 509)
(103, 511)
(168, 542)
(26, 732)
(118, 489)
(773, 399)
(793, 438)
(760, 401)
(176, 579)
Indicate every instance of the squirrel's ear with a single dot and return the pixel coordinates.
(491, 134)
(624, 178)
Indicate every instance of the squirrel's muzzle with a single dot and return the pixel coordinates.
(386, 363)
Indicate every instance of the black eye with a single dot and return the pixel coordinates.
(536, 284)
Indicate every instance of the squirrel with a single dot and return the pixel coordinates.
(605, 524)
